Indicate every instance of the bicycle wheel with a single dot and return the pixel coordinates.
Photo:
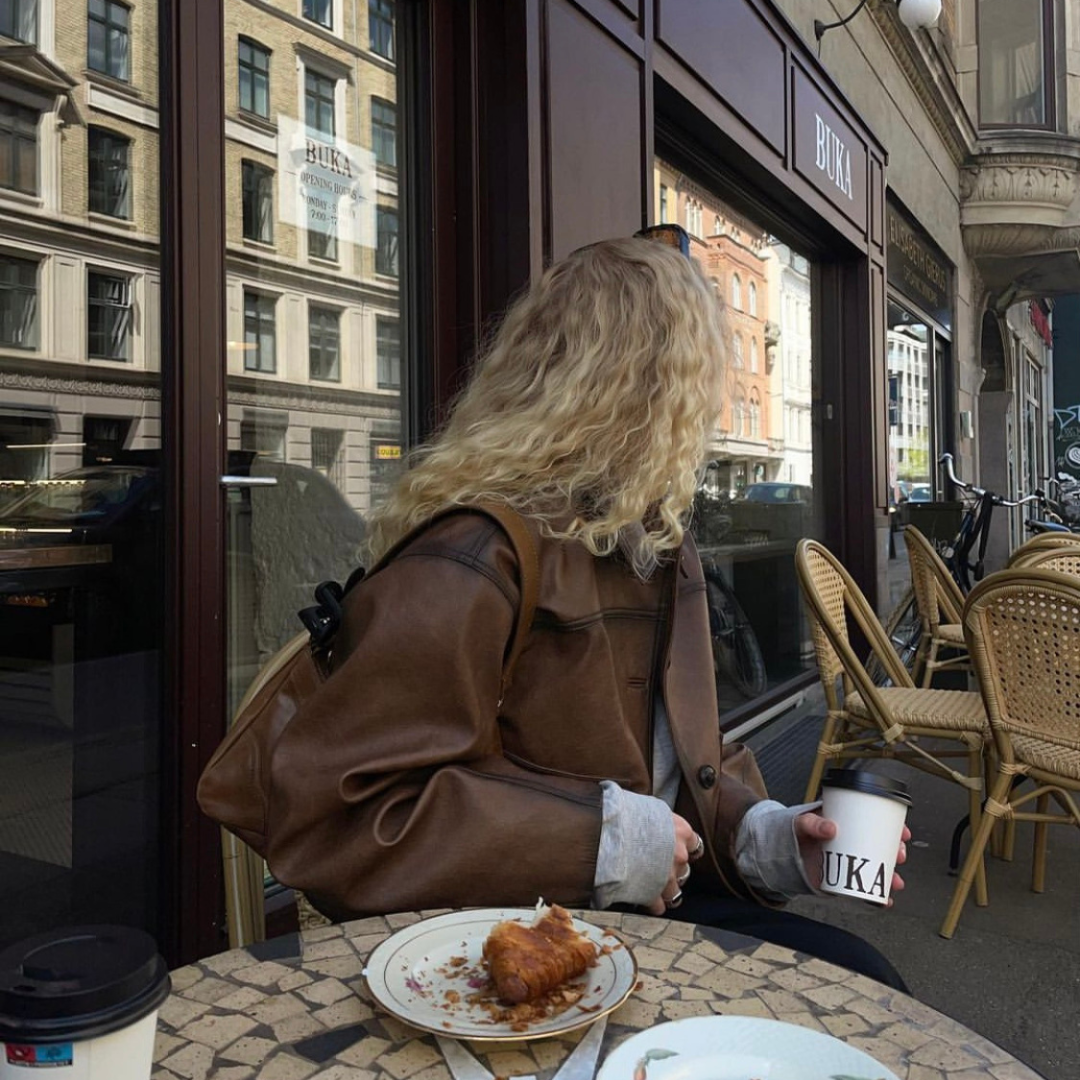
(904, 630)
(737, 658)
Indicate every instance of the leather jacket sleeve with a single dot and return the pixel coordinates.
(390, 791)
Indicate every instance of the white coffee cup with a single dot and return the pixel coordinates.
(869, 810)
(81, 1002)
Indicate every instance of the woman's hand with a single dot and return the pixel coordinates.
(689, 847)
(811, 830)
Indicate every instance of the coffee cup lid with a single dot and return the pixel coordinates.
(78, 983)
(869, 782)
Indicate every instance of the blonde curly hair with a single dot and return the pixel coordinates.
(589, 408)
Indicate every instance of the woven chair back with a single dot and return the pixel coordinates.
(832, 596)
(1038, 544)
(937, 595)
(1023, 631)
(1064, 559)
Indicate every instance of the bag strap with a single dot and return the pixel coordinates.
(513, 524)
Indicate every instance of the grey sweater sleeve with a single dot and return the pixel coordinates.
(767, 852)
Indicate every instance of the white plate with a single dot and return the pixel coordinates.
(411, 973)
(737, 1048)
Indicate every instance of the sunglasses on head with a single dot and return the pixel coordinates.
(673, 235)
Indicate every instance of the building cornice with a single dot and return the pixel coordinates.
(920, 63)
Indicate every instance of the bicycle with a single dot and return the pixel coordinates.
(737, 657)
(903, 625)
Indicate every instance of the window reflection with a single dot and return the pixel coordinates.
(81, 610)
(757, 497)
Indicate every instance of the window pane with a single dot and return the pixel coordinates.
(1012, 80)
(82, 610)
(381, 27)
(759, 491)
(327, 419)
(18, 147)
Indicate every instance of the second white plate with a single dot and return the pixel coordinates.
(737, 1048)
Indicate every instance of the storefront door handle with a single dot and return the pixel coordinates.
(248, 481)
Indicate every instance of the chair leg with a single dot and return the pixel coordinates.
(929, 665)
(817, 770)
(974, 858)
(1008, 843)
(1038, 857)
(975, 811)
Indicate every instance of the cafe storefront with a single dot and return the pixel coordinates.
(246, 250)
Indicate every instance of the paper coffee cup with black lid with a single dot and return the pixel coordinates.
(81, 1003)
(869, 810)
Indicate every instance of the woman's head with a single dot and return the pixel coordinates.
(591, 402)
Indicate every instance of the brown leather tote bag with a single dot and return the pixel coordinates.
(235, 785)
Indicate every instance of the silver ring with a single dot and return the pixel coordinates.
(698, 849)
(682, 879)
(675, 901)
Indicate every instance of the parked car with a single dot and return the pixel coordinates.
(772, 491)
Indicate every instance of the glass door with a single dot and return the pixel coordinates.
(316, 386)
(81, 504)
(761, 492)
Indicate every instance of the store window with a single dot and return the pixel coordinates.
(19, 20)
(108, 313)
(18, 303)
(1016, 66)
(381, 28)
(82, 582)
(18, 147)
(319, 107)
(384, 132)
(320, 11)
(253, 66)
(260, 332)
(324, 343)
(108, 44)
(258, 202)
(109, 172)
(317, 399)
(758, 496)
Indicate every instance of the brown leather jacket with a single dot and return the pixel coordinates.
(403, 783)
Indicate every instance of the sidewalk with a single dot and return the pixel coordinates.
(1012, 970)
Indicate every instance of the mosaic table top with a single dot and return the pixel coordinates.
(296, 1007)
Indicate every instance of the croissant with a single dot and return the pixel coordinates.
(528, 961)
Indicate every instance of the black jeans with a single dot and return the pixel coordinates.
(796, 932)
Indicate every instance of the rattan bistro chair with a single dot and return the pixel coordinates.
(940, 603)
(1023, 632)
(1063, 559)
(864, 720)
(1037, 545)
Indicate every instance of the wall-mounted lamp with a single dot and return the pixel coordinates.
(915, 14)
